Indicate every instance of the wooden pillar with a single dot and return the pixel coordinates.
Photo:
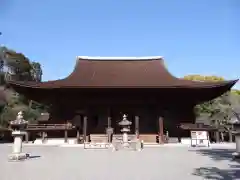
(27, 137)
(217, 136)
(44, 135)
(109, 134)
(65, 136)
(66, 133)
(161, 133)
(109, 122)
(137, 127)
(85, 128)
(78, 135)
(77, 123)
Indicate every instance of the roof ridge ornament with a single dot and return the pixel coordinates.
(119, 58)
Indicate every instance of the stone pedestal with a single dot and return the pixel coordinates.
(109, 132)
(138, 145)
(236, 132)
(125, 140)
(17, 154)
(237, 140)
(125, 124)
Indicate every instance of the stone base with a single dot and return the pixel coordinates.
(135, 145)
(139, 145)
(96, 145)
(18, 157)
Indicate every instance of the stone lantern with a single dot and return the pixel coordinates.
(125, 124)
(236, 132)
(18, 126)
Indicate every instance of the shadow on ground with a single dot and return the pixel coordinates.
(218, 174)
(216, 154)
(232, 172)
(32, 157)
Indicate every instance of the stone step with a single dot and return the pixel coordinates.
(98, 138)
(96, 145)
(151, 138)
(172, 140)
(117, 137)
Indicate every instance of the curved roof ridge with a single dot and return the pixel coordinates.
(123, 58)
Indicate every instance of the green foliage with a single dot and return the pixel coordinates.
(236, 91)
(220, 109)
(36, 71)
(203, 78)
(16, 66)
(31, 114)
(7, 114)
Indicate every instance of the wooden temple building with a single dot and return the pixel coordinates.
(101, 89)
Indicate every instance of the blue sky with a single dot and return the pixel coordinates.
(194, 37)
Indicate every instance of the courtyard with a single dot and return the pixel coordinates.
(153, 163)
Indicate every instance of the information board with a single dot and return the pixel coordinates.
(199, 138)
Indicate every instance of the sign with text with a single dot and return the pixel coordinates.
(199, 135)
(199, 138)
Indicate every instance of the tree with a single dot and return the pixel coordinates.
(2, 59)
(36, 71)
(236, 91)
(16, 66)
(219, 110)
(203, 78)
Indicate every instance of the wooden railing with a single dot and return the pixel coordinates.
(2, 129)
(32, 127)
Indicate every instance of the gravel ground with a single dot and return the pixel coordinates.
(165, 163)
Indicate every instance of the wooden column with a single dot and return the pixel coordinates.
(109, 122)
(44, 135)
(27, 137)
(137, 127)
(161, 133)
(217, 135)
(85, 128)
(108, 130)
(66, 134)
(78, 136)
(77, 123)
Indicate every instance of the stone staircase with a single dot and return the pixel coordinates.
(149, 138)
(173, 140)
(118, 137)
(98, 138)
(102, 138)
